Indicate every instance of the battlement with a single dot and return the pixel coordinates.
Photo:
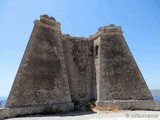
(48, 22)
(110, 29)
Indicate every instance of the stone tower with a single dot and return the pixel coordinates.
(42, 77)
(118, 76)
(59, 71)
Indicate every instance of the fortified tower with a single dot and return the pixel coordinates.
(60, 72)
(118, 76)
(42, 78)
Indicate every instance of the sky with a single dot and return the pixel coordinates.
(140, 21)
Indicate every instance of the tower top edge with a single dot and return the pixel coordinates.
(50, 22)
(110, 28)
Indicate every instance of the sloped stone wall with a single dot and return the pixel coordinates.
(41, 78)
(79, 60)
(120, 77)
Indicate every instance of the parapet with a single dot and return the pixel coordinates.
(110, 29)
(48, 22)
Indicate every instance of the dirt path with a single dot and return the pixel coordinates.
(110, 115)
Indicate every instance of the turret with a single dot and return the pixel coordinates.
(41, 80)
(118, 76)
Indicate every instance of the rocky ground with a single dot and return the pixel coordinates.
(98, 115)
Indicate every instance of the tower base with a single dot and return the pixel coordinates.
(131, 104)
(36, 109)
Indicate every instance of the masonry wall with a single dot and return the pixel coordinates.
(80, 68)
(59, 69)
(120, 76)
(41, 78)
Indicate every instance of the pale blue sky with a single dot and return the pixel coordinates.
(140, 21)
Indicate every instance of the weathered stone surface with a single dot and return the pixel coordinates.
(80, 68)
(132, 104)
(118, 76)
(35, 109)
(59, 71)
(42, 77)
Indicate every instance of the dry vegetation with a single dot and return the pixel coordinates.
(104, 108)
